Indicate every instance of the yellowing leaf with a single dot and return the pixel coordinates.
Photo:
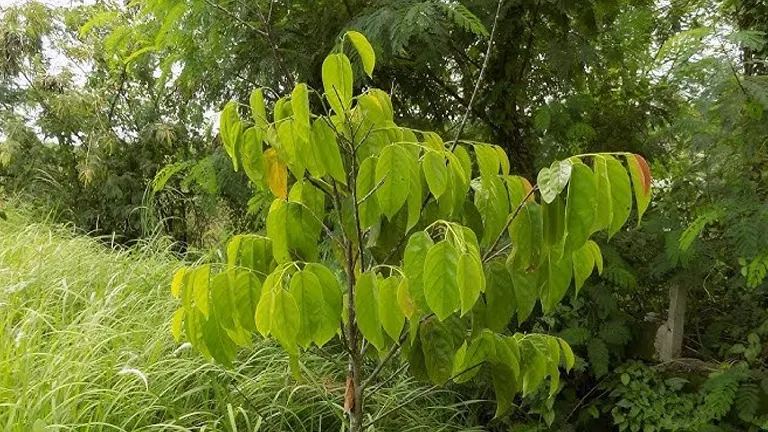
(364, 49)
(178, 281)
(277, 174)
(641, 182)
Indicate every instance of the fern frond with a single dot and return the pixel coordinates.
(165, 174)
(719, 393)
(747, 401)
(464, 18)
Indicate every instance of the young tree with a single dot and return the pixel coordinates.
(436, 244)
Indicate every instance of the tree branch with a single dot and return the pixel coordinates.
(479, 77)
(489, 253)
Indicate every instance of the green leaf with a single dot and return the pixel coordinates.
(246, 296)
(392, 317)
(323, 153)
(604, 212)
(337, 82)
(581, 205)
(597, 353)
(505, 387)
(534, 365)
(568, 357)
(492, 201)
(641, 182)
(310, 196)
(500, 297)
(266, 306)
(294, 232)
(365, 50)
(518, 188)
(332, 303)
(553, 225)
(367, 309)
(286, 320)
(621, 194)
(368, 207)
(552, 180)
(436, 172)
(252, 252)
(176, 324)
(559, 274)
(230, 129)
(414, 256)
(583, 264)
(597, 255)
(487, 161)
(251, 152)
(306, 290)
(393, 174)
(438, 347)
(258, 111)
(301, 115)
(200, 279)
(414, 197)
(471, 280)
(526, 234)
(526, 286)
(468, 359)
(441, 288)
(501, 155)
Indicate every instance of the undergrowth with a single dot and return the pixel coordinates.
(85, 346)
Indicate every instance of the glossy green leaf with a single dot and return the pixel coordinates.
(597, 255)
(500, 297)
(553, 225)
(368, 205)
(294, 232)
(559, 275)
(310, 196)
(568, 358)
(323, 153)
(487, 161)
(414, 256)
(367, 309)
(230, 129)
(581, 205)
(527, 236)
(438, 347)
(436, 172)
(306, 291)
(332, 303)
(337, 82)
(471, 280)
(583, 264)
(200, 279)
(621, 194)
(258, 110)
(286, 321)
(364, 49)
(535, 366)
(392, 317)
(526, 286)
(492, 201)
(252, 156)
(394, 176)
(604, 212)
(441, 288)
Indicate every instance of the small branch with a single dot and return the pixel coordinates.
(391, 353)
(373, 190)
(479, 77)
(489, 253)
(237, 18)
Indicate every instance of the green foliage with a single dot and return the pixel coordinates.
(439, 280)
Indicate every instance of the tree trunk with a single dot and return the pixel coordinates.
(669, 337)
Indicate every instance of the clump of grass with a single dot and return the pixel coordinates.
(85, 346)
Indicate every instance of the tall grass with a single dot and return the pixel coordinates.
(85, 346)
